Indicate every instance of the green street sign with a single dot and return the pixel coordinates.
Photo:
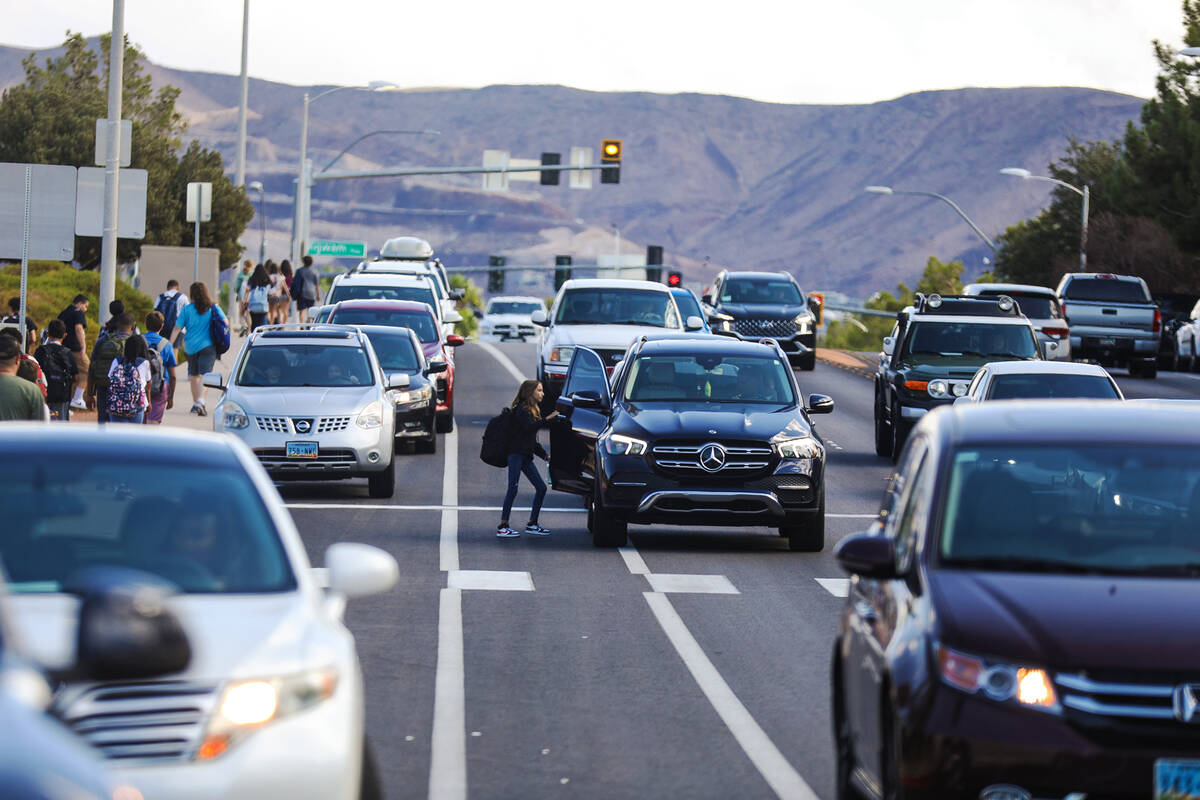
(338, 249)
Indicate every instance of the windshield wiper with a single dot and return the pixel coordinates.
(1025, 564)
(636, 322)
(1010, 355)
(1185, 570)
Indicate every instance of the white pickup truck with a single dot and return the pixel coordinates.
(1113, 320)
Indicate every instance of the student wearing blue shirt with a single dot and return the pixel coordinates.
(165, 399)
(195, 320)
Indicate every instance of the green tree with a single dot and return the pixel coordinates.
(50, 118)
(471, 301)
(939, 277)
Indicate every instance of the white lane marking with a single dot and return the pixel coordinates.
(852, 516)
(691, 584)
(834, 444)
(443, 507)
(504, 360)
(448, 756)
(838, 587)
(448, 762)
(633, 560)
(779, 774)
(487, 579)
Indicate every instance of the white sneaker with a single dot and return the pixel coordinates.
(79, 405)
(533, 529)
(505, 532)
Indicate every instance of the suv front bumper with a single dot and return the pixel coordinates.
(353, 452)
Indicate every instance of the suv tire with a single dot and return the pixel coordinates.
(445, 420)
(899, 434)
(606, 531)
(427, 445)
(808, 536)
(807, 362)
(382, 485)
(883, 434)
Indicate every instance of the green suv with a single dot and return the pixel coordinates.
(935, 349)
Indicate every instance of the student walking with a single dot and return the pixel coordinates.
(74, 317)
(128, 382)
(108, 348)
(169, 304)
(527, 420)
(196, 322)
(162, 369)
(306, 288)
(59, 366)
(279, 295)
(257, 296)
(19, 399)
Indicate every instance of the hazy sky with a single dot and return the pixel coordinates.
(817, 51)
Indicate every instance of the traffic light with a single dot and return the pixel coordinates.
(654, 262)
(674, 278)
(610, 153)
(496, 276)
(562, 271)
(550, 176)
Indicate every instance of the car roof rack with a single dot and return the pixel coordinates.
(325, 330)
(966, 305)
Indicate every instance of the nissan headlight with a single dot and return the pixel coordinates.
(234, 417)
(246, 706)
(619, 445)
(371, 416)
(1029, 687)
(561, 355)
(797, 447)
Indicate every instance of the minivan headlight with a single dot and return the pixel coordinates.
(246, 706)
(371, 416)
(233, 416)
(619, 445)
(1029, 687)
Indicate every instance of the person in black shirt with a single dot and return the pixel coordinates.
(74, 317)
(527, 420)
(31, 326)
(59, 366)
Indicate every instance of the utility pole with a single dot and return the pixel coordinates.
(112, 162)
(240, 171)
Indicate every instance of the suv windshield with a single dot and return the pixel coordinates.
(1074, 508)
(1007, 387)
(606, 306)
(305, 365)
(205, 530)
(421, 322)
(773, 291)
(395, 351)
(1105, 290)
(419, 294)
(708, 378)
(512, 307)
(1034, 306)
(978, 340)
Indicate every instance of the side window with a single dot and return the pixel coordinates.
(913, 512)
(896, 500)
(672, 317)
(975, 382)
(586, 374)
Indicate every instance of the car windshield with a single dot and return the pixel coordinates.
(305, 365)
(205, 530)
(1123, 509)
(1034, 306)
(1105, 290)
(395, 351)
(1008, 387)
(419, 321)
(617, 307)
(513, 307)
(975, 340)
(772, 291)
(688, 307)
(709, 378)
(418, 294)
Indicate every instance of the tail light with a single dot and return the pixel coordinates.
(1056, 332)
(1157, 326)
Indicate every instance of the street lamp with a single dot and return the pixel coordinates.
(257, 186)
(944, 199)
(1085, 193)
(299, 244)
(348, 147)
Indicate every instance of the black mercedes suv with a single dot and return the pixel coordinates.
(767, 304)
(691, 431)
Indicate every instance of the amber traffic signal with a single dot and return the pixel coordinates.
(610, 153)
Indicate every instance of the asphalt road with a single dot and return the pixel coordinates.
(693, 663)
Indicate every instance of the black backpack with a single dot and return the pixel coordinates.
(496, 438)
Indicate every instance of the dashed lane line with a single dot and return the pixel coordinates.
(838, 587)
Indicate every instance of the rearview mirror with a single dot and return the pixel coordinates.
(587, 399)
(478, 314)
(398, 380)
(707, 299)
(452, 317)
(820, 404)
(357, 570)
(214, 380)
(539, 318)
(454, 340)
(963, 400)
(456, 294)
(693, 323)
(867, 555)
(436, 367)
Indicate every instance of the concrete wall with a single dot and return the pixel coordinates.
(160, 264)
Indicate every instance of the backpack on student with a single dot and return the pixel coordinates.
(107, 348)
(58, 366)
(218, 330)
(258, 299)
(125, 391)
(158, 367)
(168, 306)
(496, 438)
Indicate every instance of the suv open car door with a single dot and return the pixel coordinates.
(584, 406)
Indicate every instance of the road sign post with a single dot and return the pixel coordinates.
(338, 249)
(199, 209)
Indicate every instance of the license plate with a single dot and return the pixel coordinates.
(301, 450)
(1176, 779)
(1108, 342)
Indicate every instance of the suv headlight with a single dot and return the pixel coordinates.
(803, 321)
(419, 397)
(1029, 687)
(619, 445)
(939, 389)
(796, 447)
(248, 705)
(371, 416)
(561, 355)
(233, 416)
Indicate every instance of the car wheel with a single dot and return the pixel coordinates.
(899, 434)
(369, 787)
(808, 362)
(809, 536)
(1149, 369)
(427, 445)
(606, 531)
(445, 420)
(383, 484)
(883, 435)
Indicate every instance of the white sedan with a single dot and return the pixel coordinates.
(1012, 380)
(271, 703)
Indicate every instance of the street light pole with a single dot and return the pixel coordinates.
(1085, 193)
(262, 222)
(944, 199)
(239, 178)
(112, 163)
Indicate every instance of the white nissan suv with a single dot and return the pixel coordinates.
(605, 315)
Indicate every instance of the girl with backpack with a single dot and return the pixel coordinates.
(279, 293)
(196, 321)
(258, 296)
(527, 420)
(129, 383)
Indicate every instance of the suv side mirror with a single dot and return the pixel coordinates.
(126, 631)
(868, 555)
(398, 380)
(693, 323)
(452, 317)
(539, 318)
(889, 345)
(454, 340)
(214, 380)
(456, 294)
(707, 299)
(587, 399)
(819, 404)
(357, 570)
(436, 367)
(478, 314)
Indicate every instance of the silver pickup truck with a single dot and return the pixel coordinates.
(1113, 320)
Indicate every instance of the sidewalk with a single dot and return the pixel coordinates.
(862, 364)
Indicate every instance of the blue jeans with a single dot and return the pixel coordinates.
(517, 464)
(136, 419)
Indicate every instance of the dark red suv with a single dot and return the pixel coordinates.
(1024, 620)
(420, 318)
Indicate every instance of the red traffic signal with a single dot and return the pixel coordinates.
(674, 278)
